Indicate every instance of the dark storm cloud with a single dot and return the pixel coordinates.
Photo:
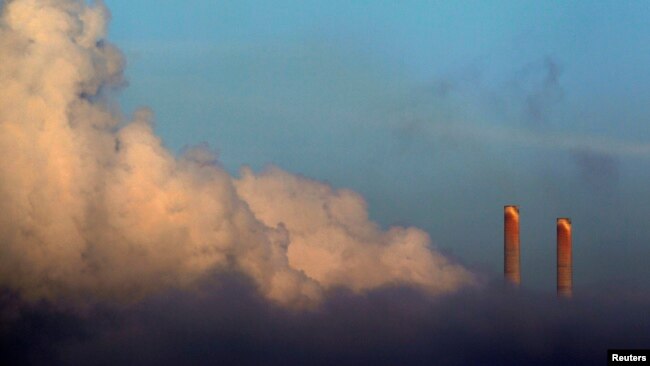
(232, 325)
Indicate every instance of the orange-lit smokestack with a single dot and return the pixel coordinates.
(511, 244)
(564, 260)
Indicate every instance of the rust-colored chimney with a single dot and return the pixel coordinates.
(511, 244)
(564, 260)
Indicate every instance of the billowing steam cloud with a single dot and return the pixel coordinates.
(95, 207)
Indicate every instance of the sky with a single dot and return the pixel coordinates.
(320, 182)
(438, 113)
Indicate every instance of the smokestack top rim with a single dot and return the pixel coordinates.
(511, 210)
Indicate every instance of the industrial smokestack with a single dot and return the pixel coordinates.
(511, 244)
(564, 261)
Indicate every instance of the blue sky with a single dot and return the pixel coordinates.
(438, 113)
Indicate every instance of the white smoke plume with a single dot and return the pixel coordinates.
(93, 207)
